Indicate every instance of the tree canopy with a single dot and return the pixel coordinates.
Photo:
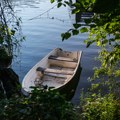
(103, 29)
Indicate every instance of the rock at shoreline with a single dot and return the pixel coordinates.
(9, 82)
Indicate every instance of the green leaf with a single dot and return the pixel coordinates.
(88, 21)
(105, 41)
(89, 43)
(84, 29)
(65, 35)
(52, 1)
(77, 5)
(59, 4)
(98, 43)
(74, 11)
(77, 25)
(75, 32)
(67, 2)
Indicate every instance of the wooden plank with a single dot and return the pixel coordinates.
(56, 75)
(62, 63)
(61, 68)
(62, 58)
(57, 71)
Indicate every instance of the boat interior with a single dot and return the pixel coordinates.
(59, 70)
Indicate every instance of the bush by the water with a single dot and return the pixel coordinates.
(40, 105)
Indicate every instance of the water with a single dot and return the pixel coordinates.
(43, 34)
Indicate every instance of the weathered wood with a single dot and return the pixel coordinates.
(62, 58)
(56, 75)
(57, 71)
(62, 63)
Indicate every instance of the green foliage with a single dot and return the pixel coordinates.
(3, 53)
(65, 35)
(101, 108)
(52, 1)
(75, 32)
(9, 27)
(84, 29)
(76, 26)
(40, 105)
(103, 30)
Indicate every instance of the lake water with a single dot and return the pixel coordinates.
(43, 33)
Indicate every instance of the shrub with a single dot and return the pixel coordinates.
(40, 105)
(101, 108)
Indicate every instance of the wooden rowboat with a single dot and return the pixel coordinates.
(59, 69)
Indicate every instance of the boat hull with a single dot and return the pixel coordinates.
(59, 69)
(68, 90)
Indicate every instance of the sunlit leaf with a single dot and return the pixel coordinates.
(98, 43)
(84, 29)
(52, 1)
(74, 11)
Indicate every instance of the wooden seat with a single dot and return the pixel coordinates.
(56, 75)
(59, 58)
(57, 71)
(59, 63)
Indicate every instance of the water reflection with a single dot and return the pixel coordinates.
(43, 35)
(30, 3)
